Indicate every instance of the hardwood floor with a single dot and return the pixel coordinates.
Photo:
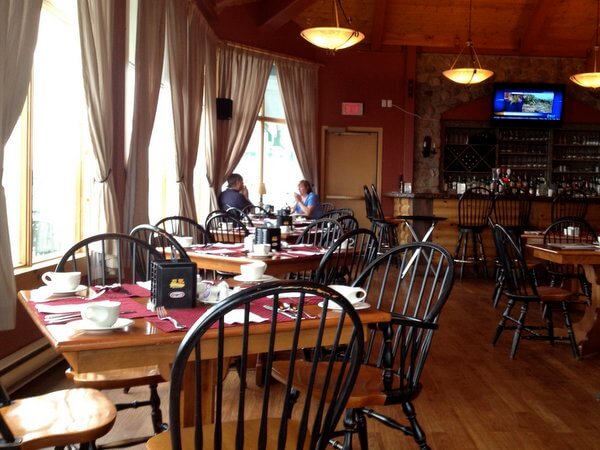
(474, 396)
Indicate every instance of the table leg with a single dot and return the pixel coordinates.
(587, 330)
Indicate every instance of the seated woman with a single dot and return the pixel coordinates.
(307, 202)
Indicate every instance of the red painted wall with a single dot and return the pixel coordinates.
(349, 75)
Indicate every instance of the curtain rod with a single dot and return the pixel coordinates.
(270, 53)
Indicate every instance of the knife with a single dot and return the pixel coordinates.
(291, 316)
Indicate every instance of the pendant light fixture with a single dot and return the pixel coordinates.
(590, 79)
(333, 38)
(473, 73)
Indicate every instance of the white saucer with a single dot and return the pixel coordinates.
(335, 306)
(86, 325)
(260, 255)
(81, 287)
(253, 280)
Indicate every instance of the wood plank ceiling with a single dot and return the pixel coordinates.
(559, 28)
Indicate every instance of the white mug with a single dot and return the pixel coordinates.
(62, 281)
(253, 271)
(262, 249)
(184, 241)
(347, 243)
(353, 294)
(102, 314)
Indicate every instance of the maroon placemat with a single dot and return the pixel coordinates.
(189, 316)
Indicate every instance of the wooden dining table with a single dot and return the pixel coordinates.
(587, 329)
(144, 343)
(229, 257)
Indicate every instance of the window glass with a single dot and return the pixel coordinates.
(270, 156)
(47, 150)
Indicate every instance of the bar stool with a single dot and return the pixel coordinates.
(474, 209)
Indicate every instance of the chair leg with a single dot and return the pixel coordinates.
(483, 258)
(418, 433)
(518, 330)
(547, 315)
(502, 323)
(156, 413)
(569, 328)
(500, 278)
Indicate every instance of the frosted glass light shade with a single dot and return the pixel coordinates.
(587, 79)
(332, 38)
(467, 75)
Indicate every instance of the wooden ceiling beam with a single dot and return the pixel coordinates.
(378, 24)
(533, 30)
(276, 13)
(208, 10)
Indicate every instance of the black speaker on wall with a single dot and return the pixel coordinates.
(224, 108)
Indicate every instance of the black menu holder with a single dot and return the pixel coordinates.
(269, 235)
(173, 284)
(285, 220)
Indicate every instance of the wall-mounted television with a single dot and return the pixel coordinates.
(528, 104)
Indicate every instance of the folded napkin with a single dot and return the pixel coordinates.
(124, 291)
(237, 316)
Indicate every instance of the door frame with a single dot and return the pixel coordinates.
(377, 130)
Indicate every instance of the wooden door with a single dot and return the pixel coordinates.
(351, 159)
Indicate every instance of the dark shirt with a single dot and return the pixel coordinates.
(231, 197)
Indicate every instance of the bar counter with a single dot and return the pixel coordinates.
(446, 205)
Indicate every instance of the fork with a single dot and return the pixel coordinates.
(162, 314)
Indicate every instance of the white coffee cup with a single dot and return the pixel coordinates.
(262, 249)
(101, 314)
(347, 243)
(253, 271)
(62, 281)
(353, 294)
(184, 241)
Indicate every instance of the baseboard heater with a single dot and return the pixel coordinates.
(27, 363)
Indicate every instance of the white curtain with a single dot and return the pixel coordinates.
(298, 83)
(186, 33)
(19, 24)
(243, 76)
(96, 30)
(149, 55)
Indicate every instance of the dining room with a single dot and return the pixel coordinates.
(130, 147)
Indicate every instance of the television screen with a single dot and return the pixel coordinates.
(534, 104)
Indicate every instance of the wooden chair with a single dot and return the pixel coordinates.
(348, 223)
(321, 232)
(412, 282)
(347, 257)
(557, 233)
(184, 226)
(161, 240)
(258, 211)
(223, 227)
(121, 258)
(522, 291)
(326, 207)
(274, 416)
(385, 230)
(337, 213)
(57, 419)
(474, 209)
(511, 210)
(240, 215)
(570, 203)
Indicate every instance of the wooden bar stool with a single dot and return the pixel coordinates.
(474, 209)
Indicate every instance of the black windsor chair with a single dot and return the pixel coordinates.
(223, 227)
(184, 226)
(521, 289)
(164, 242)
(276, 415)
(412, 282)
(569, 203)
(105, 259)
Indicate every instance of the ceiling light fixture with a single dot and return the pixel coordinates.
(590, 79)
(472, 74)
(333, 38)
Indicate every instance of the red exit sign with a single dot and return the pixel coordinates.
(352, 109)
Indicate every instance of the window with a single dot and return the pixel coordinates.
(163, 191)
(45, 159)
(270, 156)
